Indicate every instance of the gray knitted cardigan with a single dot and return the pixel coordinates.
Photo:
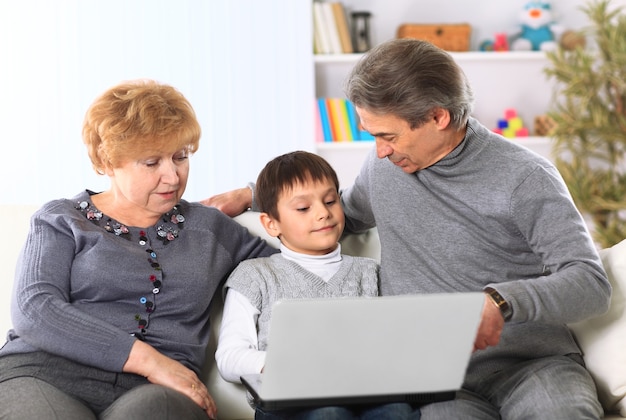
(83, 284)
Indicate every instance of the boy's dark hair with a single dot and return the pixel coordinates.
(285, 171)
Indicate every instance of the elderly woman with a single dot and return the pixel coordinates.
(112, 293)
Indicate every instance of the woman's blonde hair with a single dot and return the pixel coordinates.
(137, 116)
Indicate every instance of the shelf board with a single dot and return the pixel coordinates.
(499, 55)
(459, 56)
(366, 144)
(347, 145)
(337, 58)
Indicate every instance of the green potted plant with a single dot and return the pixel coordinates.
(589, 114)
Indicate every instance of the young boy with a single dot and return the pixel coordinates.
(298, 194)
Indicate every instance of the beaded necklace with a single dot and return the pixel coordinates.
(167, 231)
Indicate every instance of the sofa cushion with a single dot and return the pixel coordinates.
(603, 338)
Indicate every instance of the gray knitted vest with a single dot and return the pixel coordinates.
(266, 280)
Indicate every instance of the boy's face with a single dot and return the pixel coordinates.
(311, 218)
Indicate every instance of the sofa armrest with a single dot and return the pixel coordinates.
(602, 339)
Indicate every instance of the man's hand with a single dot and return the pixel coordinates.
(232, 203)
(491, 325)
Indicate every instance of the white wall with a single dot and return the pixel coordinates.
(244, 65)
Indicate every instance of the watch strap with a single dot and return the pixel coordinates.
(500, 302)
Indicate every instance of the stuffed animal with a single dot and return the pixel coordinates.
(539, 32)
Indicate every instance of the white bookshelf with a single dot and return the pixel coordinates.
(501, 80)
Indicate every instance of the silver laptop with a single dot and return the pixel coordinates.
(412, 348)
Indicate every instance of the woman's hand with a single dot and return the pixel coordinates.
(231, 203)
(144, 360)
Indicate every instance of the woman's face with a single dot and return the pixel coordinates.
(152, 183)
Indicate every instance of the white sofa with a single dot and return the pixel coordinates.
(603, 339)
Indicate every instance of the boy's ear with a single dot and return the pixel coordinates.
(270, 225)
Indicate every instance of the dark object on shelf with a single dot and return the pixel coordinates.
(361, 31)
(544, 125)
(453, 37)
(570, 40)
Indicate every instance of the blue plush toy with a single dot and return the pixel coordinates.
(538, 32)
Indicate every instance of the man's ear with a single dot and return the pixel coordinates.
(442, 118)
(271, 226)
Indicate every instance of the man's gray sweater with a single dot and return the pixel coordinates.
(491, 213)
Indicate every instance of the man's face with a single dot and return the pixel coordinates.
(410, 149)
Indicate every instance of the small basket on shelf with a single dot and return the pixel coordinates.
(544, 124)
(449, 37)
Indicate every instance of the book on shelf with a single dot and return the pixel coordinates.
(331, 31)
(353, 121)
(331, 28)
(338, 121)
(323, 121)
(321, 42)
(341, 21)
(319, 130)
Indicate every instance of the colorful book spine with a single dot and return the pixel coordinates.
(334, 119)
(317, 121)
(365, 136)
(324, 120)
(339, 119)
(352, 120)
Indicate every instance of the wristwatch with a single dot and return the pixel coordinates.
(500, 302)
